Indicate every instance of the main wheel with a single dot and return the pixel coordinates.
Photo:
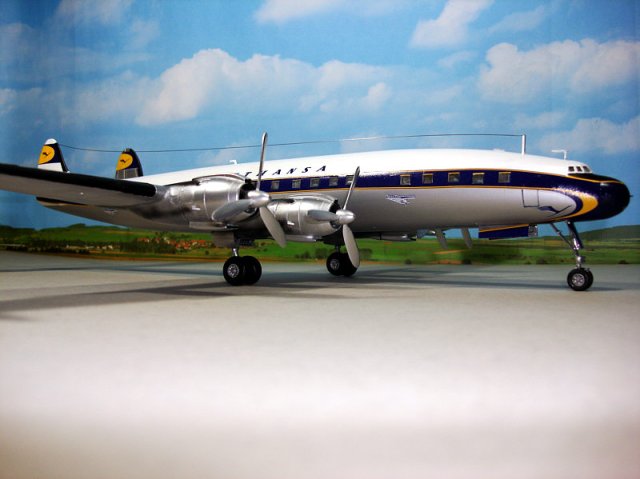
(338, 264)
(334, 264)
(348, 269)
(580, 279)
(234, 271)
(252, 270)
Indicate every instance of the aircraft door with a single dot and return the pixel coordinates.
(530, 198)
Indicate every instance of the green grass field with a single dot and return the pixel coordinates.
(611, 246)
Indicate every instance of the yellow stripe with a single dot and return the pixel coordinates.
(47, 154)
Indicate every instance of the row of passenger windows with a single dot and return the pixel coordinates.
(453, 177)
(296, 184)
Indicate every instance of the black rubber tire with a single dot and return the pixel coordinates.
(234, 271)
(347, 268)
(580, 279)
(589, 278)
(334, 264)
(252, 270)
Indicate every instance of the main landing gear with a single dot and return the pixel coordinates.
(239, 270)
(247, 270)
(338, 264)
(580, 278)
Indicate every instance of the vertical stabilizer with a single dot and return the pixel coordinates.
(51, 157)
(129, 165)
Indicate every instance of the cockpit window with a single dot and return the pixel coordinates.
(579, 169)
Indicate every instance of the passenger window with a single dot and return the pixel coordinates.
(454, 177)
(295, 184)
(275, 185)
(477, 179)
(504, 177)
(427, 178)
(405, 180)
(315, 182)
(333, 181)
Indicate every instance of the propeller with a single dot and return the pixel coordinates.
(256, 199)
(343, 217)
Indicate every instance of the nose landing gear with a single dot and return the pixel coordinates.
(580, 278)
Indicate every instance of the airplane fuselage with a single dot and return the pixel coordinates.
(398, 191)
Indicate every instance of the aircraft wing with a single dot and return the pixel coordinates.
(77, 188)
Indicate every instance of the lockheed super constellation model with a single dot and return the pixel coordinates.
(388, 195)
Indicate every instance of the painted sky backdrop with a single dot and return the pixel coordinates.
(171, 74)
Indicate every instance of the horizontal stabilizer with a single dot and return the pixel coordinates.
(503, 232)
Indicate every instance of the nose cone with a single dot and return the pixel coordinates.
(613, 198)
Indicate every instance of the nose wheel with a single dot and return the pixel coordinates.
(580, 278)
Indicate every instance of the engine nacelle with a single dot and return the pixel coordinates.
(198, 201)
(294, 218)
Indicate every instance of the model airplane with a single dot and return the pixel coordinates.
(388, 195)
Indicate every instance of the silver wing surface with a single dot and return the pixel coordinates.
(77, 188)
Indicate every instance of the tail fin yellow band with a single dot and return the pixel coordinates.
(51, 157)
(128, 165)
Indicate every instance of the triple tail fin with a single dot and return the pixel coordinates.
(129, 165)
(51, 157)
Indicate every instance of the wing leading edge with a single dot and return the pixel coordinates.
(77, 188)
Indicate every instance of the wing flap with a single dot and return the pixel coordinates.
(77, 188)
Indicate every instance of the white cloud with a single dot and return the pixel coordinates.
(142, 33)
(282, 11)
(451, 27)
(545, 120)
(596, 134)
(454, 59)
(215, 79)
(8, 99)
(521, 21)
(516, 76)
(118, 97)
(103, 12)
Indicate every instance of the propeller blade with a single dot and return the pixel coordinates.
(352, 247)
(356, 175)
(229, 210)
(442, 239)
(273, 227)
(262, 151)
(467, 237)
(322, 215)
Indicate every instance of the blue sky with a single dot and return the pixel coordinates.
(171, 74)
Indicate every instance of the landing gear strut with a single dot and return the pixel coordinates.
(239, 270)
(580, 278)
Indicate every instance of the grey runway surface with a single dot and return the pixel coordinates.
(122, 369)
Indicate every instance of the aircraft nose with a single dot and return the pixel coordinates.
(613, 198)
